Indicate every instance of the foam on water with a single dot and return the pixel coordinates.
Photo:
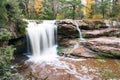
(80, 33)
(68, 68)
(42, 40)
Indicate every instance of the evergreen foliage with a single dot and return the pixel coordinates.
(5, 34)
(106, 8)
(50, 9)
(9, 13)
(72, 9)
(47, 11)
(3, 13)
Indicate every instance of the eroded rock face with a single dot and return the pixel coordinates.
(104, 46)
(90, 29)
(94, 47)
(66, 29)
(102, 32)
(81, 51)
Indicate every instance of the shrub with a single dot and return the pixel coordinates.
(6, 55)
(5, 34)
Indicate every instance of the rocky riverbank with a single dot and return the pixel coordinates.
(94, 58)
(101, 41)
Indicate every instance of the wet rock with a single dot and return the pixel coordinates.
(67, 29)
(81, 51)
(93, 48)
(104, 46)
(73, 48)
(103, 32)
(72, 69)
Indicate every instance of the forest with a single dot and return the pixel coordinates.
(97, 21)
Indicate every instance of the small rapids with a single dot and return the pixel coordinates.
(62, 69)
(41, 43)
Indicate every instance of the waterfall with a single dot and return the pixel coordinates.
(42, 38)
(80, 33)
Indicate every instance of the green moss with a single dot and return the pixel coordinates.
(107, 74)
(102, 55)
(86, 35)
(35, 75)
(97, 26)
(99, 57)
(59, 49)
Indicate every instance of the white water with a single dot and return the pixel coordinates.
(42, 44)
(80, 33)
(42, 40)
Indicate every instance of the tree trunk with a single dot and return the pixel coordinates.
(73, 12)
(103, 10)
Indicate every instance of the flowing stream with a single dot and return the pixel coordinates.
(44, 62)
(80, 33)
(42, 38)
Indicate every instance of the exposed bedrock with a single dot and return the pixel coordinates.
(99, 42)
(90, 29)
(102, 47)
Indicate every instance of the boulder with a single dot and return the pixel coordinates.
(66, 29)
(81, 51)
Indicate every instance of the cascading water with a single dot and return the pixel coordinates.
(80, 33)
(42, 38)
